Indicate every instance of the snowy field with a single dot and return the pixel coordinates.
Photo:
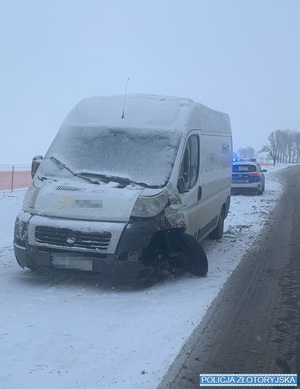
(80, 332)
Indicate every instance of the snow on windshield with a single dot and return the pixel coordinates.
(140, 155)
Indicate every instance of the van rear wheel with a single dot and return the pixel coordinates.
(194, 255)
(217, 233)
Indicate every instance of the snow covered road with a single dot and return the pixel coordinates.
(80, 332)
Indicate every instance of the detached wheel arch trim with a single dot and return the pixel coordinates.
(195, 256)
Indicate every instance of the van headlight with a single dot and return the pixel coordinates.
(29, 199)
(21, 228)
(149, 206)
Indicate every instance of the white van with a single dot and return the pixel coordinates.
(128, 188)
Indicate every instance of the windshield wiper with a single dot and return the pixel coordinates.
(61, 164)
(107, 178)
(102, 177)
(121, 180)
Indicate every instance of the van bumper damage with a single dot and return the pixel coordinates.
(112, 249)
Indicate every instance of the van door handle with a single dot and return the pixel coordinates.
(199, 192)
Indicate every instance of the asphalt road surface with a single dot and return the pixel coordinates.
(253, 326)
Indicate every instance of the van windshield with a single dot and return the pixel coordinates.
(139, 156)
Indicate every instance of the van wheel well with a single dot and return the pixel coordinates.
(217, 233)
(164, 240)
(176, 251)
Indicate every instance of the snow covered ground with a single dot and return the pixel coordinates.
(80, 332)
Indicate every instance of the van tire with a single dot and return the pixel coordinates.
(195, 257)
(217, 233)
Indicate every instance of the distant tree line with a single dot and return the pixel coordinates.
(283, 147)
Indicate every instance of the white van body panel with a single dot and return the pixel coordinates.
(141, 112)
(214, 180)
(81, 201)
(215, 177)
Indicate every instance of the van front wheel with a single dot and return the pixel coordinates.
(195, 257)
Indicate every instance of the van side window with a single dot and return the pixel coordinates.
(190, 163)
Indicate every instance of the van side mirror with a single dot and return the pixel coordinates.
(36, 161)
(264, 170)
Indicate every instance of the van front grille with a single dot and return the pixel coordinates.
(64, 237)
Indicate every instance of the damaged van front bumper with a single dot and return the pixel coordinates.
(112, 249)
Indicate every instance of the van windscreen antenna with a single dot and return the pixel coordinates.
(123, 113)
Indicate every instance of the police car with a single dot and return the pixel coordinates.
(247, 176)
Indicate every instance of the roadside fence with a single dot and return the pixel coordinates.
(15, 177)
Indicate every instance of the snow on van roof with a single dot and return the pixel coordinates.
(146, 111)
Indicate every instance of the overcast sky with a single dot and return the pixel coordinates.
(239, 57)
